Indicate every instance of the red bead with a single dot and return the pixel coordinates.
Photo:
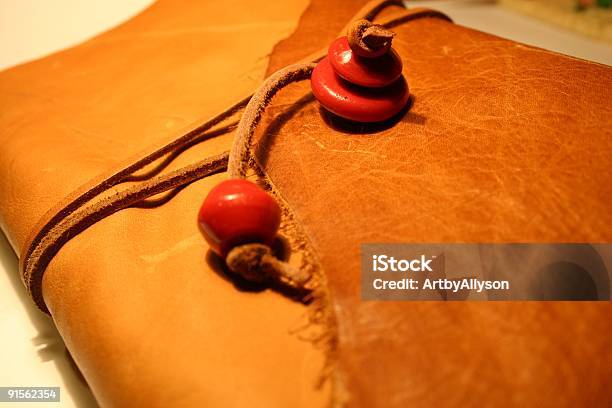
(368, 72)
(354, 102)
(237, 212)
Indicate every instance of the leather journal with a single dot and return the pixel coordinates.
(501, 142)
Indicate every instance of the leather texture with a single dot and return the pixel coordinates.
(502, 143)
(147, 314)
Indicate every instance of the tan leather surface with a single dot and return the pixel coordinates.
(73, 115)
(503, 143)
(146, 316)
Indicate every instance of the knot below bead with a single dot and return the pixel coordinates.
(256, 263)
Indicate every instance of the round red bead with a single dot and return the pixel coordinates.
(237, 212)
(354, 102)
(368, 72)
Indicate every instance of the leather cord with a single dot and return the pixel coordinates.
(88, 204)
(240, 154)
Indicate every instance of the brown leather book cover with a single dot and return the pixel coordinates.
(502, 142)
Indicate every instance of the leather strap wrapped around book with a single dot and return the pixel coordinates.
(99, 198)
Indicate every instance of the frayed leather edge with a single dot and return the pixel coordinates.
(321, 327)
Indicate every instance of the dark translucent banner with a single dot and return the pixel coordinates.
(486, 271)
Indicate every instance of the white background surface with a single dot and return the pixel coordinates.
(31, 351)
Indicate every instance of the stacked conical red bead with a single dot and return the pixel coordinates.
(358, 88)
